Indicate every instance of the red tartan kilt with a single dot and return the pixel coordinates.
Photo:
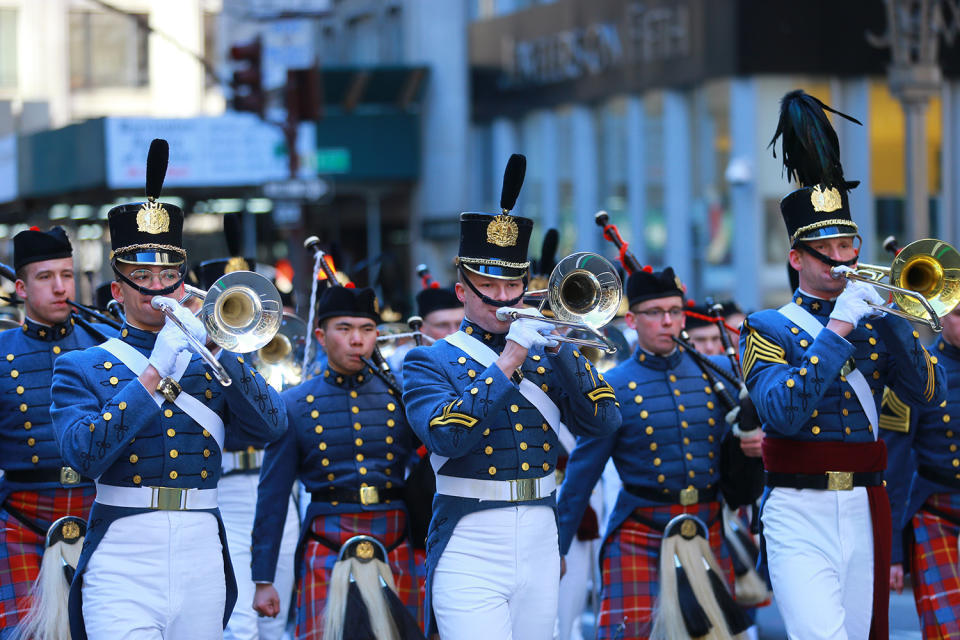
(390, 527)
(936, 583)
(630, 564)
(21, 550)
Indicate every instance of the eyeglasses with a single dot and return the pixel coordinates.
(167, 277)
(655, 314)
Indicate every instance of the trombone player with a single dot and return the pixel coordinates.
(486, 402)
(816, 369)
(143, 416)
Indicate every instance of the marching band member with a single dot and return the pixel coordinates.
(816, 369)
(145, 418)
(348, 443)
(487, 402)
(930, 487)
(37, 487)
(442, 313)
(703, 332)
(237, 494)
(667, 454)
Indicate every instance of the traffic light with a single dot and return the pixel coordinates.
(247, 82)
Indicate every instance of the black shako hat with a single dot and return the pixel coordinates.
(496, 246)
(210, 271)
(347, 301)
(33, 245)
(151, 232)
(430, 300)
(646, 285)
(811, 156)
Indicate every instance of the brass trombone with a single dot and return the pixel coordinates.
(584, 292)
(924, 279)
(241, 312)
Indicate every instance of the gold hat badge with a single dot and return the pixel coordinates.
(152, 218)
(503, 231)
(825, 201)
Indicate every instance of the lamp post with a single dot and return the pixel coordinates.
(914, 29)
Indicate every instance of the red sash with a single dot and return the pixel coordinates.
(794, 456)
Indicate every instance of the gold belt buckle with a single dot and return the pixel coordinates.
(689, 496)
(839, 480)
(247, 460)
(168, 499)
(524, 489)
(369, 495)
(69, 475)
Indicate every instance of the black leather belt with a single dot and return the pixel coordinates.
(66, 476)
(363, 495)
(946, 478)
(685, 497)
(827, 481)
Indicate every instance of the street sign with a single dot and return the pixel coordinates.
(299, 189)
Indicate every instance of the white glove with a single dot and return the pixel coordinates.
(530, 332)
(852, 305)
(190, 321)
(170, 342)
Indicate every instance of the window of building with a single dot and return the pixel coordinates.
(391, 44)
(611, 128)
(108, 50)
(8, 47)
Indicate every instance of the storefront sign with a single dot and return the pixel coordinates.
(228, 150)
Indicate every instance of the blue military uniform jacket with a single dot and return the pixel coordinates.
(27, 354)
(346, 432)
(923, 436)
(798, 384)
(110, 428)
(477, 417)
(673, 425)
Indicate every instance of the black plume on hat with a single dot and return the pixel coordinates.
(347, 301)
(430, 300)
(811, 156)
(646, 285)
(513, 177)
(33, 245)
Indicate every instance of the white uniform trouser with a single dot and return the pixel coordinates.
(238, 502)
(820, 554)
(499, 576)
(156, 575)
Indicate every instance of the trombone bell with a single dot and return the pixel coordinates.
(924, 280)
(242, 311)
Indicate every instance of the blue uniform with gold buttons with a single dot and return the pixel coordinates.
(348, 443)
(476, 417)
(110, 427)
(38, 487)
(667, 453)
(797, 382)
(923, 479)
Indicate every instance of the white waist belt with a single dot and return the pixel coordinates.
(162, 498)
(500, 490)
(241, 460)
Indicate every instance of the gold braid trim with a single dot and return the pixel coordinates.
(894, 413)
(600, 393)
(836, 222)
(132, 248)
(760, 348)
(931, 376)
(450, 417)
(493, 262)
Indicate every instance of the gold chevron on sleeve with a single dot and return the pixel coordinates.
(449, 416)
(894, 412)
(931, 376)
(601, 393)
(760, 348)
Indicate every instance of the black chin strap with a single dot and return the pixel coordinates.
(464, 276)
(151, 292)
(803, 246)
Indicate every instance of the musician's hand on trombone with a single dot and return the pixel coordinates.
(852, 306)
(170, 342)
(524, 333)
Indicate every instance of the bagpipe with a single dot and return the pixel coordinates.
(687, 606)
